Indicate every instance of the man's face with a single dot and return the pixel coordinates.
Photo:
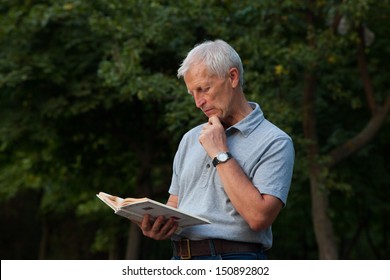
(211, 94)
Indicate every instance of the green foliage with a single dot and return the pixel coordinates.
(89, 101)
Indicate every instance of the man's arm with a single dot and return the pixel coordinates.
(258, 210)
(172, 201)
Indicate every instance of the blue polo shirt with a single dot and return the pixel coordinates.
(263, 151)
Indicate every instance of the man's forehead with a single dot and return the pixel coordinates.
(197, 69)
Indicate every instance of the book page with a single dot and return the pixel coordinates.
(113, 201)
(117, 201)
(131, 200)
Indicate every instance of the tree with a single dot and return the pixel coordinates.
(75, 100)
(89, 101)
(316, 57)
(379, 110)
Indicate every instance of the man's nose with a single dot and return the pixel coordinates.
(199, 100)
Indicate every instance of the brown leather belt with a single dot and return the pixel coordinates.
(186, 249)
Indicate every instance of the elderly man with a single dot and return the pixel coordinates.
(235, 170)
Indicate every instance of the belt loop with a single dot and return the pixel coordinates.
(213, 252)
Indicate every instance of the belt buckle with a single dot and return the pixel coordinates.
(188, 249)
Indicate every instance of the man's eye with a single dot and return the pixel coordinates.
(199, 90)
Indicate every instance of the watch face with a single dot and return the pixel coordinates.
(222, 157)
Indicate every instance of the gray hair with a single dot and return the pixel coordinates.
(218, 56)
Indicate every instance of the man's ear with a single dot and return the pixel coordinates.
(234, 77)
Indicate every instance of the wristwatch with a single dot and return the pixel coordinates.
(221, 157)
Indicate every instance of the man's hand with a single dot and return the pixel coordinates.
(160, 229)
(213, 137)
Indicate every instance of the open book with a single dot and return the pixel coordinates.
(135, 209)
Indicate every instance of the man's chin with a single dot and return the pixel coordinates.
(209, 114)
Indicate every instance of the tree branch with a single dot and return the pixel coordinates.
(309, 115)
(363, 69)
(360, 140)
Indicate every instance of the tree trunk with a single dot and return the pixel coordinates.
(323, 227)
(133, 242)
(113, 253)
(43, 241)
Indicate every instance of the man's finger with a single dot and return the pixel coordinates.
(169, 228)
(145, 224)
(158, 224)
(214, 120)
